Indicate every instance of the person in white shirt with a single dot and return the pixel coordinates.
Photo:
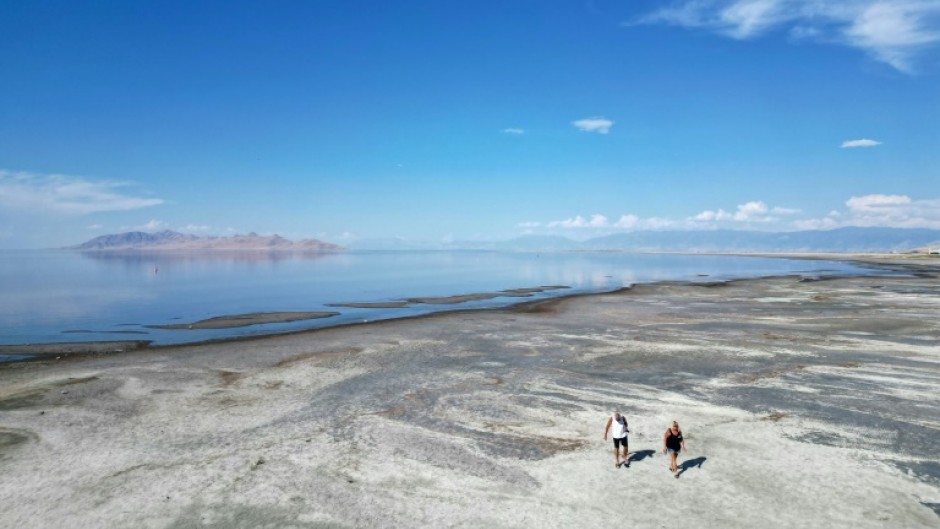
(620, 430)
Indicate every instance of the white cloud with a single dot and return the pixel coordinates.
(877, 210)
(66, 194)
(893, 32)
(513, 130)
(597, 124)
(710, 216)
(628, 222)
(601, 223)
(94, 227)
(849, 144)
(751, 211)
(596, 221)
(754, 211)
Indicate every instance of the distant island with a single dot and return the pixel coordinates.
(171, 240)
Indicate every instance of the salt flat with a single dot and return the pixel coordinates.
(804, 403)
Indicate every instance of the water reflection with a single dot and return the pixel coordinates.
(138, 258)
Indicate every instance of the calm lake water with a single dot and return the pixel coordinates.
(60, 296)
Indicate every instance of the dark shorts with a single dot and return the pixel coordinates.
(618, 442)
(672, 451)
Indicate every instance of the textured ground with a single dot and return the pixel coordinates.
(804, 404)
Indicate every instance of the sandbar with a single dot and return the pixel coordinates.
(244, 320)
(804, 404)
(524, 292)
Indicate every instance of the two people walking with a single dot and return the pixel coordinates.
(673, 442)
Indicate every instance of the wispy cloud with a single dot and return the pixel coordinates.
(514, 131)
(65, 194)
(152, 225)
(598, 124)
(869, 203)
(893, 32)
(851, 144)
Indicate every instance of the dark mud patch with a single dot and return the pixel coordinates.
(775, 416)
(76, 380)
(303, 357)
(229, 377)
(548, 306)
(11, 439)
(711, 284)
(47, 350)
(822, 438)
(528, 448)
(22, 400)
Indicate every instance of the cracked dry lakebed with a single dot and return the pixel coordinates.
(803, 403)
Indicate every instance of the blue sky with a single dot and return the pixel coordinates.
(466, 120)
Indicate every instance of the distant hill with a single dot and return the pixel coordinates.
(841, 240)
(171, 240)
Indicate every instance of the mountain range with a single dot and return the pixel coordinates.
(841, 240)
(171, 240)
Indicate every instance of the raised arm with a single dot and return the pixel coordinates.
(607, 428)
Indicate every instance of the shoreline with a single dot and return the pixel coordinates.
(55, 351)
(790, 393)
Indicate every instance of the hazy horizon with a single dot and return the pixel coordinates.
(480, 121)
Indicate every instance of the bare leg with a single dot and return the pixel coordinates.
(617, 457)
(672, 462)
(626, 460)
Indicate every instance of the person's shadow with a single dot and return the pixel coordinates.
(640, 455)
(691, 463)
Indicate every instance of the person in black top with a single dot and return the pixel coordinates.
(673, 443)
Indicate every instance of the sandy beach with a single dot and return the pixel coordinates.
(805, 403)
